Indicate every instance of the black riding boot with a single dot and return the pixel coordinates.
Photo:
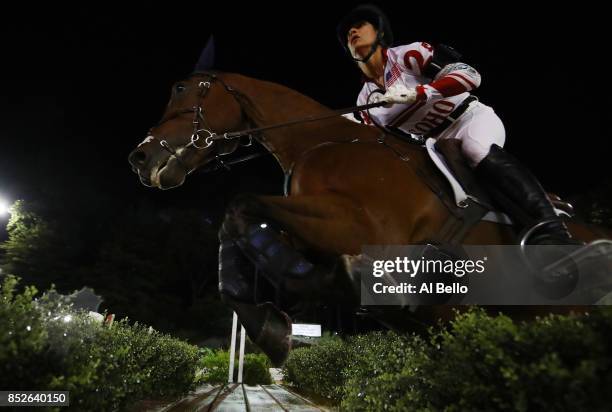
(511, 180)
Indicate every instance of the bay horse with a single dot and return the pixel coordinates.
(350, 185)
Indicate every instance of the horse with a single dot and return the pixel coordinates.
(348, 185)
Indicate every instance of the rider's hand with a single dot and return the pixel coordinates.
(398, 93)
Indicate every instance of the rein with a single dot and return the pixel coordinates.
(203, 132)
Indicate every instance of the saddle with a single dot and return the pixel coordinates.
(447, 173)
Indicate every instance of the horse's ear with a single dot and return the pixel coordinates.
(207, 57)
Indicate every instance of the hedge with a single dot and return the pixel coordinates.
(477, 362)
(48, 346)
(256, 368)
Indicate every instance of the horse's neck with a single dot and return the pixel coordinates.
(275, 104)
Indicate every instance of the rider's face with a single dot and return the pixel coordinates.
(360, 38)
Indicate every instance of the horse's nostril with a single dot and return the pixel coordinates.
(137, 158)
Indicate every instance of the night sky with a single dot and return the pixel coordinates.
(80, 88)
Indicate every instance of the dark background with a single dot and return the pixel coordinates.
(80, 88)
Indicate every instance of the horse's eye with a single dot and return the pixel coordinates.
(179, 88)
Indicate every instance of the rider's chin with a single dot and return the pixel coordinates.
(171, 175)
(361, 49)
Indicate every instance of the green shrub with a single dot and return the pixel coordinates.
(22, 337)
(382, 367)
(491, 363)
(477, 362)
(256, 368)
(48, 346)
(319, 368)
(216, 367)
(135, 364)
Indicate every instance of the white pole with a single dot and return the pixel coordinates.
(241, 354)
(232, 349)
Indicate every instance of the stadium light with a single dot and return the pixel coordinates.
(4, 207)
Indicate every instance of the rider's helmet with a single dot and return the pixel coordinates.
(374, 16)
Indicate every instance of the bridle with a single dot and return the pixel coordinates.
(204, 137)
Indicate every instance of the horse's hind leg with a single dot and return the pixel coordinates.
(266, 325)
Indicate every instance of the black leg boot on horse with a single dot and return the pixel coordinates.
(267, 326)
(510, 180)
(288, 269)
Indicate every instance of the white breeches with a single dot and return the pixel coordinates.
(478, 129)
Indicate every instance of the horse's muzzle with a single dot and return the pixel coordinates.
(137, 159)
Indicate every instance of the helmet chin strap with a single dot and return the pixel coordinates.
(372, 50)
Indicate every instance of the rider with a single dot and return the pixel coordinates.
(428, 94)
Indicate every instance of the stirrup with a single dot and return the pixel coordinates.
(534, 229)
(553, 284)
(561, 277)
(595, 249)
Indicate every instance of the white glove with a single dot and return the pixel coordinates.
(398, 93)
(351, 117)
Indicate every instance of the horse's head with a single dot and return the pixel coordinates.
(190, 134)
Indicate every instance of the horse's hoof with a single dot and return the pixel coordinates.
(275, 336)
(267, 326)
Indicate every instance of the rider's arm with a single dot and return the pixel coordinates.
(453, 79)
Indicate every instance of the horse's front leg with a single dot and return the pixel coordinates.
(330, 225)
(296, 241)
(267, 326)
(254, 228)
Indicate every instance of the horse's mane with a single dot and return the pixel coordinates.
(285, 104)
(245, 101)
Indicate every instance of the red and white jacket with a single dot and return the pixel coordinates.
(436, 98)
